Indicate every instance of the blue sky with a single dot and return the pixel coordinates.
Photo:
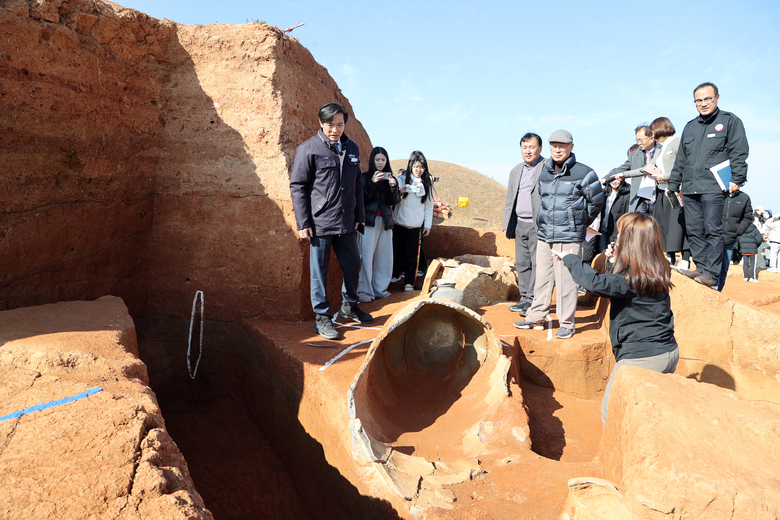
(463, 81)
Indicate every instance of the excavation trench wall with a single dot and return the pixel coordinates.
(149, 160)
(234, 364)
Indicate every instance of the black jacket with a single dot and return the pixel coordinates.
(706, 142)
(378, 195)
(640, 326)
(618, 208)
(327, 197)
(750, 241)
(569, 201)
(737, 216)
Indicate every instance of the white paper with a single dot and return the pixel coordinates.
(646, 187)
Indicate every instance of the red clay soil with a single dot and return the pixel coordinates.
(565, 430)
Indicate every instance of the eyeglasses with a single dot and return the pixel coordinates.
(708, 99)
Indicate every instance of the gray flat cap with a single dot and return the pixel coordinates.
(561, 136)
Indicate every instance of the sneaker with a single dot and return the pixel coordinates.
(365, 298)
(354, 313)
(398, 278)
(581, 290)
(420, 274)
(753, 280)
(408, 287)
(539, 325)
(564, 333)
(324, 327)
(683, 265)
(519, 306)
(746, 279)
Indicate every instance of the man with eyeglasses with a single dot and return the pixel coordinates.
(712, 138)
(633, 169)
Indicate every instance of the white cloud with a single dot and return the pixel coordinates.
(451, 114)
(349, 71)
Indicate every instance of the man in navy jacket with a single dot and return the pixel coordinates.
(327, 194)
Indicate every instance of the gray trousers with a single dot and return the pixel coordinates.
(376, 261)
(525, 259)
(346, 249)
(551, 273)
(665, 363)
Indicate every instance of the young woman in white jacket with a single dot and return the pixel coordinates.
(413, 213)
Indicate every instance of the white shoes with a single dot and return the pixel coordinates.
(408, 287)
(683, 265)
(753, 280)
(397, 278)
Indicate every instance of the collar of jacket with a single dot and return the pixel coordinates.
(567, 164)
(327, 142)
(710, 118)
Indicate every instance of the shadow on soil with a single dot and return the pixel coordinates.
(236, 424)
(548, 437)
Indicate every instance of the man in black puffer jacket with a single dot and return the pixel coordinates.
(571, 198)
(737, 217)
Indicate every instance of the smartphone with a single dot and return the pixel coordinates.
(674, 200)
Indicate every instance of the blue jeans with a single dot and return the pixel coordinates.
(724, 270)
(346, 249)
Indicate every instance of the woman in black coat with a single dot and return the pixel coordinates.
(616, 196)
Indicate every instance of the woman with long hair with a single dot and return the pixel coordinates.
(669, 214)
(641, 325)
(413, 218)
(380, 195)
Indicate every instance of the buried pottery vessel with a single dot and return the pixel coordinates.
(430, 398)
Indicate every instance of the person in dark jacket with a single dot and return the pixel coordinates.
(571, 197)
(617, 194)
(380, 194)
(520, 210)
(641, 326)
(737, 217)
(709, 140)
(327, 195)
(749, 242)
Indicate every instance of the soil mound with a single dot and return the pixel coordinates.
(486, 196)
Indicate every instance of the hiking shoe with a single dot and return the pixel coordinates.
(539, 325)
(408, 287)
(396, 278)
(564, 333)
(324, 327)
(354, 313)
(520, 307)
(706, 279)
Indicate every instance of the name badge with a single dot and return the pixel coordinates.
(710, 135)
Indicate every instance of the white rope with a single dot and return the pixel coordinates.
(340, 354)
(189, 337)
(549, 328)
